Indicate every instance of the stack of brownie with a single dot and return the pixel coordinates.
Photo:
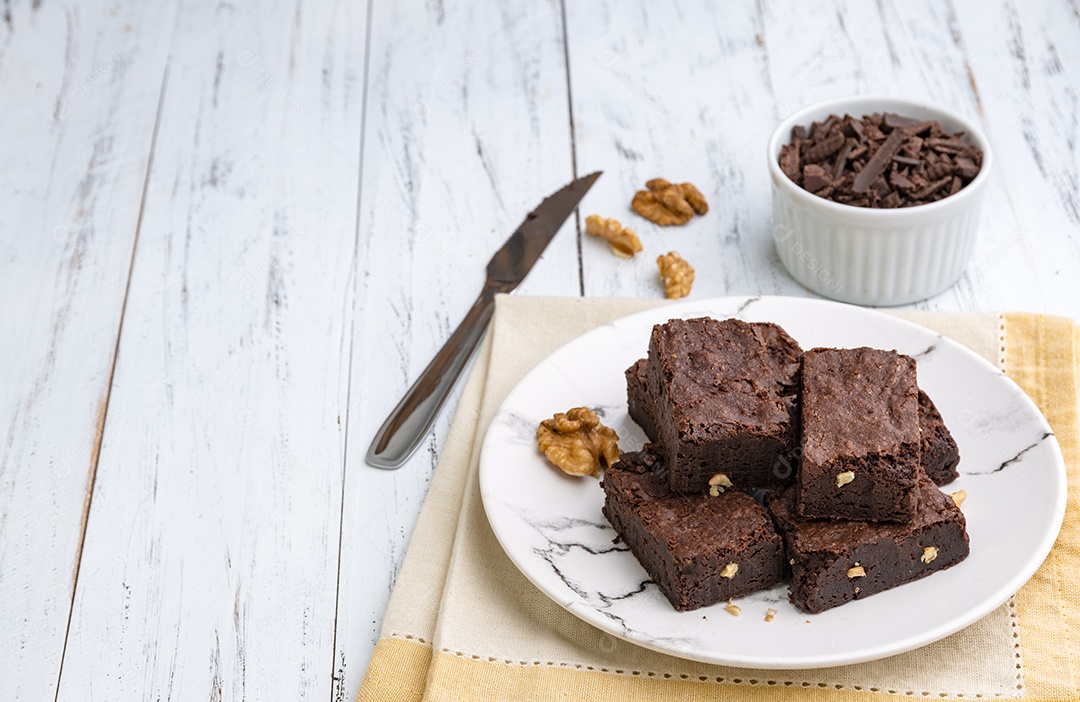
(846, 446)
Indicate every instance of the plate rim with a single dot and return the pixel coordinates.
(1001, 594)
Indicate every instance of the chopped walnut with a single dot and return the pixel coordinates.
(678, 275)
(770, 613)
(733, 609)
(928, 554)
(844, 478)
(857, 572)
(623, 241)
(729, 571)
(720, 480)
(714, 491)
(958, 497)
(577, 442)
(649, 205)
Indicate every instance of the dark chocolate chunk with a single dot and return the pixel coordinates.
(816, 178)
(893, 120)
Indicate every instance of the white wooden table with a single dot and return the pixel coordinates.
(232, 233)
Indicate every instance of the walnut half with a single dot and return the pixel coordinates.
(577, 443)
(667, 203)
(678, 275)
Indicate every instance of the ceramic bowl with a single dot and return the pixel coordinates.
(875, 256)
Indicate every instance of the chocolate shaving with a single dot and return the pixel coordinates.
(893, 120)
(842, 157)
(876, 165)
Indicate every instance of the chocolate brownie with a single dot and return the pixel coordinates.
(836, 561)
(638, 401)
(723, 393)
(940, 454)
(697, 548)
(861, 443)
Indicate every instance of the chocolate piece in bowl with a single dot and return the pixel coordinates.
(722, 401)
(861, 443)
(698, 549)
(837, 561)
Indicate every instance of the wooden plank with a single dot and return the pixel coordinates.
(81, 83)
(1027, 92)
(210, 565)
(457, 151)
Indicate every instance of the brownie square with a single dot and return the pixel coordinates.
(837, 561)
(781, 346)
(698, 549)
(940, 454)
(861, 443)
(723, 394)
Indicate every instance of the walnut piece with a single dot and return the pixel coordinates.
(958, 497)
(577, 443)
(928, 554)
(720, 480)
(770, 613)
(733, 609)
(678, 275)
(729, 571)
(623, 241)
(844, 478)
(857, 572)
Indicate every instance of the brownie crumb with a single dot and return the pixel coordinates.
(882, 160)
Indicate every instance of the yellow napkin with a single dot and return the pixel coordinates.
(464, 624)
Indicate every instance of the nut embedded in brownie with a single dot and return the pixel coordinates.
(861, 443)
(698, 549)
(837, 561)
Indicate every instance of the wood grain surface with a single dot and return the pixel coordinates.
(232, 234)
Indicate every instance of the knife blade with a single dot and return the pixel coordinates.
(409, 422)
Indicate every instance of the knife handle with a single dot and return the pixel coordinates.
(407, 425)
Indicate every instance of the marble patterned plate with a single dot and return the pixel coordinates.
(552, 528)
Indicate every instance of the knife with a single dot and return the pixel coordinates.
(407, 425)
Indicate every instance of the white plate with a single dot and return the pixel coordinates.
(552, 528)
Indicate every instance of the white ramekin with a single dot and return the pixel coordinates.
(869, 256)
